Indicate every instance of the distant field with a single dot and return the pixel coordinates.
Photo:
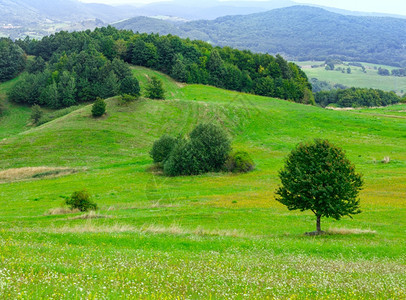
(357, 78)
(220, 236)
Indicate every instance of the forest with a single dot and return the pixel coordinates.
(78, 67)
(66, 69)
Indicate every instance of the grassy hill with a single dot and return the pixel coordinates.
(215, 235)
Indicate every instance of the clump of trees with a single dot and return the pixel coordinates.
(12, 59)
(69, 79)
(318, 177)
(206, 149)
(356, 97)
(383, 72)
(399, 72)
(185, 60)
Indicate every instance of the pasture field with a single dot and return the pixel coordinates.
(357, 78)
(209, 236)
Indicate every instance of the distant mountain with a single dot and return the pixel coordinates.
(22, 12)
(298, 33)
(209, 10)
(212, 9)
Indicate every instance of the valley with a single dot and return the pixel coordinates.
(217, 234)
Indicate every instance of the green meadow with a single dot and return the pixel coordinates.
(220, 236)
(357, 78)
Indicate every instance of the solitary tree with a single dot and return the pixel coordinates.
(98, 108)
(36, 113)
(318, 177)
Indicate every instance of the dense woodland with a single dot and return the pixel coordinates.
(298, 33)
(79, 66)
(68, 68)
(12, 59)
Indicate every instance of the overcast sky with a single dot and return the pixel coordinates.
(382, 6)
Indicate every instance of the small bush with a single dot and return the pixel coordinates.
(239, 162)
(162, 148)
(127, 98)
(36, 113)
(98, 108)
(81, 200)
(155, 89)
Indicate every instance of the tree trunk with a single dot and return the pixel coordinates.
(318, 224)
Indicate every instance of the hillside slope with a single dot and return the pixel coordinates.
(215, 235)
(298, 32)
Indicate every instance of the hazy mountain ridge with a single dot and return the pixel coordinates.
(298, 32)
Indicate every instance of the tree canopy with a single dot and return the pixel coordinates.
(318, 177)
(187, 61)
(12, 59)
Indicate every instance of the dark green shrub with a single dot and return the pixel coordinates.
(36, 113)
(162, 148)
(98, 108)
(205, 151)
(239, 162)
(81, 200)
(183, 160)
(130, 85)
(212, 146)
(155, 89)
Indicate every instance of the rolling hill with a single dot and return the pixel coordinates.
(25, 12)
(214, 235)
(298, 33)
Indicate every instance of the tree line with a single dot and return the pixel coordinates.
(394, 72)
(68, 79)
(185, 60)
(356, 97)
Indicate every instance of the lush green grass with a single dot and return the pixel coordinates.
(357, 78)
(214, 235)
